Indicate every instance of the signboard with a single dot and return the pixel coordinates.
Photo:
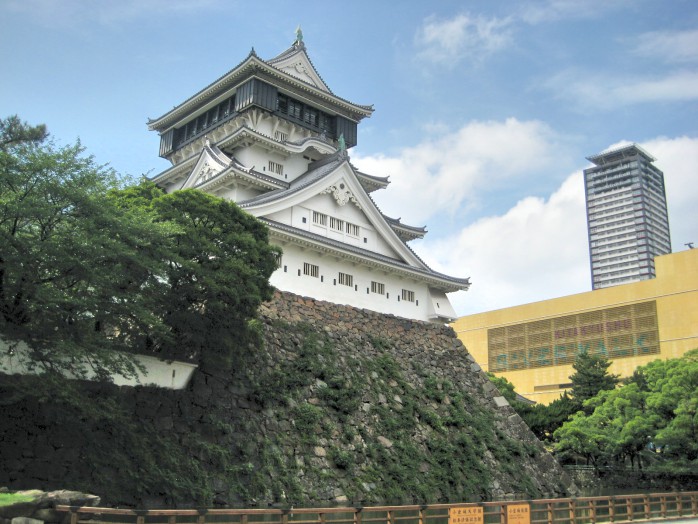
(518, 514)
(467, 515)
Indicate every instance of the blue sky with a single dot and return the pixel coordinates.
(484, 111)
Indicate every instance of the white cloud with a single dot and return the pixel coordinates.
(678, 159)
(449, 41)
(587, 90)
(538, 249)
(453, 171)
(672, 46)
(534, 251)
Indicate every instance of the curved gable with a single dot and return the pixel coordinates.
(340, 183)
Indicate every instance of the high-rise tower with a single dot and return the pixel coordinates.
(627, 218)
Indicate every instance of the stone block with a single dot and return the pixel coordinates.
(500, 402)
(26, 520)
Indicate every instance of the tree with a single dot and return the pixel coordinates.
(591, 376)
(542, 419)
(90, 272)
(652, 421)
(217, 268)
(673, 398)
(545, 419)
(70, 261)
(14, 132)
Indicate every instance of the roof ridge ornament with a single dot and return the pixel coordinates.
(342, 145)
(299, 37)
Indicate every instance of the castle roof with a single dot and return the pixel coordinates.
(291, 69)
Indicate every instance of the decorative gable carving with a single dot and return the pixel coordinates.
(341, 193)
(300, 71)
(207, 172)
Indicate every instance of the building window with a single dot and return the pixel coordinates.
(311, 270)
(336, 224)
(346, 280)
(352, 230)
(408, 295)
(280, 136)
(378, 287)
(319, 219)
(275, 167)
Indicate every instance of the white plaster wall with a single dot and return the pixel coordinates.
(168, 374)
(324, 287)
(349, 213)
(238, 194)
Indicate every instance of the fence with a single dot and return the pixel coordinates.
(582, 510)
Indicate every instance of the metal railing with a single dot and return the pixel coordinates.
(582, 510)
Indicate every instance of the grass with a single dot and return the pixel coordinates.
(7, 499)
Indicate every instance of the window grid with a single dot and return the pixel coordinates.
(345, 279)
(311, 270)
(319, 218)
(378, 287)
(275, 167)
(336, 224)
(617, 332)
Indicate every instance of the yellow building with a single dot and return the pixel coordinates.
(534, 345)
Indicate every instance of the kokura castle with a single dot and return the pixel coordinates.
(271, 136)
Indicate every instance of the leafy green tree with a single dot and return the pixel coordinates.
(542, 419)
(545, 419)
(217, 267)
(591, 376)
(651, 421)
(505, 387)
(673, 397)
(70, 262)
(90, 271)
(14, 132)
(583, 437)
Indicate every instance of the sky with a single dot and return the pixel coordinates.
(484, 115)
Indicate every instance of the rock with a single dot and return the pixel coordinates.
(385, 442)
(26, 520)
(40, 508)
(500, 402)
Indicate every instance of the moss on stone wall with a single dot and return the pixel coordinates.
(333, 405)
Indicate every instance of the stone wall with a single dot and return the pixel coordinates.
(336, 405)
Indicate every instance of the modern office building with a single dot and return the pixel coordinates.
(534, 345)
(626, 216)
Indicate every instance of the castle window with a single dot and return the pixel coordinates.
(295, 109)
(311, 270)
(319, 219)
(280, 136)
(378, 287)
(408, 295)
(275, 167)
(352, 230)
(336, 224)
(346, 280)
